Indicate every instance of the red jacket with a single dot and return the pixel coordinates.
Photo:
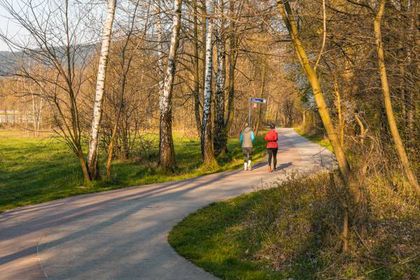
(271, 137)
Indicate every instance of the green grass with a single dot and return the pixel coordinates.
(34, 170)
(316, 138)
(216, 239)
(292, 232)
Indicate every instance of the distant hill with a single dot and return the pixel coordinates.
(10, 61)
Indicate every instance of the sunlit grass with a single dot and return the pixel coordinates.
(38, 169)
(316, 138)
(293, 232)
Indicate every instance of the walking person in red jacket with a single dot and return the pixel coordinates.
(272, 146)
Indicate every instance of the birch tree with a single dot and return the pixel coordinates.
(206, 135)
(160, 62)
(219, 120)
(100, 88)
(166, 144)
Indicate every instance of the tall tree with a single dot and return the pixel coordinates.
(53, 71)
(166, 144)
(127, 56)
(324, 112)
(399, 146)
(413, 70)
(262, 95)
(289, 19)
(196, 66)
(219, 119)
(235, 10)
(206, 131)
(100, 88)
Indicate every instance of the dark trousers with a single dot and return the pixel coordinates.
(272, 157)
(247, 154)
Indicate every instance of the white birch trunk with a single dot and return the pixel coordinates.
(160, 46)
(208, 69)
(100, 86)
(166, 147)
(206, 142)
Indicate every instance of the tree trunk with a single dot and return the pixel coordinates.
(206, 137)
(289, 19)
(125, 68)
(166, 144)
(232, 58)
(35, 117)
(160, 62)
(304, 120)
(399, 146)
(85, 171)
(196, 90)
(363, 130)
(231, 88)
(262, 95)
(100, 87)
(219, 124)
(352, 188)
(203, 51)
(111, 150)
(339, 112)
(117, 120)
(125, 141)
(412, 84)
(39, 114)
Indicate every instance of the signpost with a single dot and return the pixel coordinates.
(256, 100)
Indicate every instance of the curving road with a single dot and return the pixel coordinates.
(122, 234)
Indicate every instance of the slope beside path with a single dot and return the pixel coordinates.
(122, 234)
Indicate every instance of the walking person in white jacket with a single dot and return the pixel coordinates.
(246, 138)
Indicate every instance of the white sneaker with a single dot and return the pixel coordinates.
(245, 166)
(249, 165)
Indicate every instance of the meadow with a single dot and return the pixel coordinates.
(39, 169)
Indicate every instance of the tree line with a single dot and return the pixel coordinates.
(208, 57)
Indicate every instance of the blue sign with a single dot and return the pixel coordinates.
(258, 100)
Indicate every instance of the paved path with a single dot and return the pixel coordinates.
(122, 234)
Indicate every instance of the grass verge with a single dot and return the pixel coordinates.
(292, 232)
(316, 138)
(35, 170)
